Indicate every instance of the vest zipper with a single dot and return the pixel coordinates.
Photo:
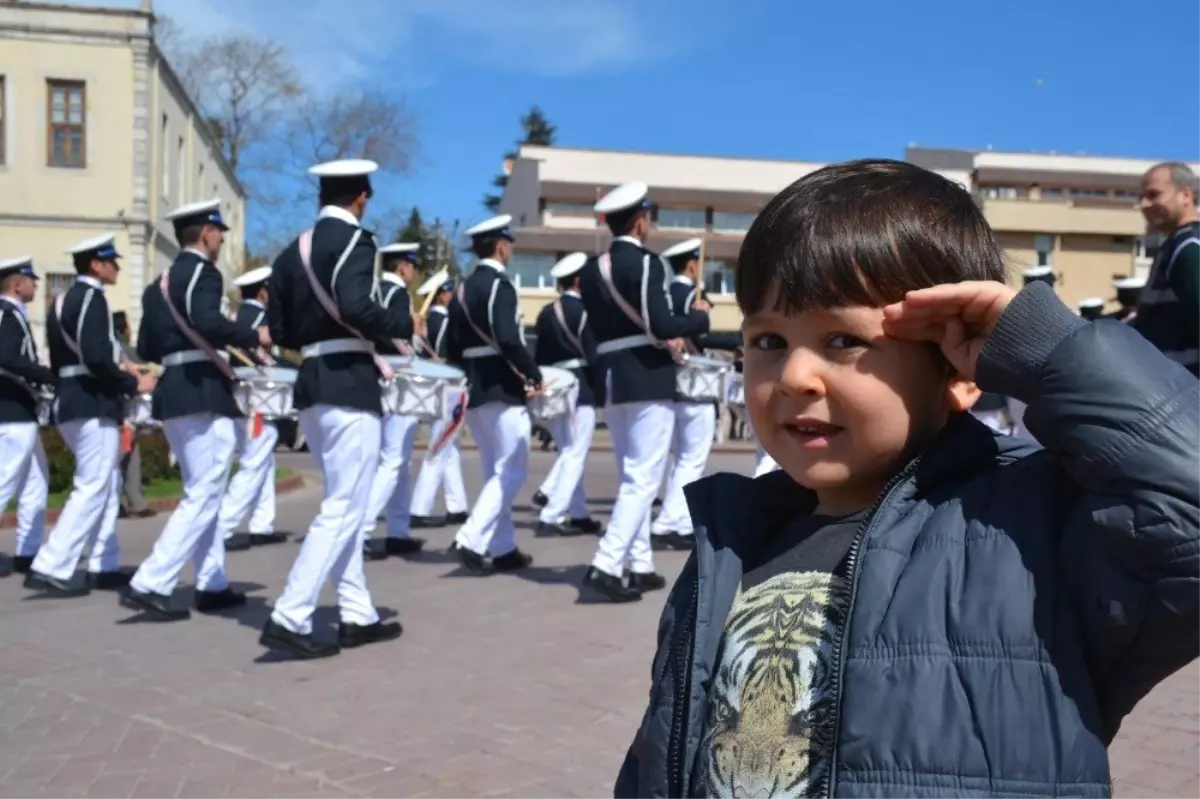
(681, 658)
(839, 647)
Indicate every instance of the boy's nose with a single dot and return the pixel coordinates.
(802, 374)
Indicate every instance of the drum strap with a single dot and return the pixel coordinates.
(198, 341)
(574, 338)
(327, 302)
(605, 263)
(484, 337)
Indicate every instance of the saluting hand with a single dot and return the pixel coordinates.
(958, 317)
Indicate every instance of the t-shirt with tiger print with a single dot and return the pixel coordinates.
(770, 717)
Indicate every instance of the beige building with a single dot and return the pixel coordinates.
(98, 136)
(1075, 214)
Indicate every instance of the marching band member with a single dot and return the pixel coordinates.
(183, 329)
(445, 466)
(22, 459)
(89, 407)
(252, 490)
(695, 422)
(487, 340)
(391, 486)
(565, 341)
(1091, 308)
(322, 304)
(625, 295)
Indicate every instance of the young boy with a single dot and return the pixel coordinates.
(915, 605)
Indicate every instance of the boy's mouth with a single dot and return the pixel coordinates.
(811, 433)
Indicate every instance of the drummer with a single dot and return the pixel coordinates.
(252, 490)
(390, 487)
(695, 421)
(89, 406)
(565, 341)
(443, 467)
(488, 342)
(638, 373)
(22, 459)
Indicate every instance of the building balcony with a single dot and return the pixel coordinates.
(1081, 215)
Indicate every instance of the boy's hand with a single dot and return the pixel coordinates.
(958, 317)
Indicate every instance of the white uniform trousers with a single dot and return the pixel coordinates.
(204, 444)
(444, 468)
(23, 468)
(763, 462)
(502, 434)
(695, 424)
(391, 486)
(566, 497)
(252, 489)
(641, 435)
(89, 517)
(345, 445)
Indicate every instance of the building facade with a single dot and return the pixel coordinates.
(1075, 214)
(98, 136)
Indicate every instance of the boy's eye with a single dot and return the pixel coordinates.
(767, 341)
(843, 341)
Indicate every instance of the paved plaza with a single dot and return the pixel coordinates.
(504, 686)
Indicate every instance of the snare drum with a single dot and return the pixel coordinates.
(700, 379)
(422, 389)
(268, 392)
(138, 411)
(45, 407)
(559, 397)
(735, 394)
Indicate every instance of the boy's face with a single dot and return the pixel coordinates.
(838, 404)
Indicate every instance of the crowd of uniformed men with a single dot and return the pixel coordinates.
(621, 326)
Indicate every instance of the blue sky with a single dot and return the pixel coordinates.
(789, 80)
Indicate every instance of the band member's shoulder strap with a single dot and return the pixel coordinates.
(605, 264)
(198, 341)
(561, 316)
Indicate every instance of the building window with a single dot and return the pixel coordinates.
(162, 160)
(1089, 192)
(1002, 193)
(1043, 245)
(1147, 246)
(681, 218)
(1126, 196)
(68, 129)
(3, 127)
(56, 283)
(181, 166)
(718, 277)
(199, 182)
(571, 209)
(1051, 193)
(732, 221)
(531, 270)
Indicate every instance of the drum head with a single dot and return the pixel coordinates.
(269, 374)
(554, 377)
(435, 371)
(708, 363)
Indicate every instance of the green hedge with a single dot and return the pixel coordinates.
(156, 462)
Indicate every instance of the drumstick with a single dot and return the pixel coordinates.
(246, 359)
(291, 356)
(441, 274)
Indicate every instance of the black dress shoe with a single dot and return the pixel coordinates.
(352, 635)
(457, 518)
(305, 647)
(672, 540)
(108, 581)
(586, 525)
(262, 539)
(552, 529)
(372, 552)
(611, 588)
(145, 513)
(212, 601)
(649, 581)
(512, 561)
(157, 606)
(21, 564)
(473, 562)
(54, 587)
(425, 522)
(656, 504)
(403, 546)
(540, 500)
(237, 543)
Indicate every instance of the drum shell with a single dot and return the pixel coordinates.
(701, 380)
(269, 395)
(416, 393)
(45, 407)
(139, 411)
(559, 397)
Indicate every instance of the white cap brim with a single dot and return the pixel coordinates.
(625, 196)
(253, 277)
(435, 280)
(346, 168)
(569, 265)
(488, 225)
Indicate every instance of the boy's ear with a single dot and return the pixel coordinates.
(961, 394)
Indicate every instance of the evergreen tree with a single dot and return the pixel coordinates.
(537, 130)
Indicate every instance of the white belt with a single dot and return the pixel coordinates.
(574, 363)
(77, 370)
(337, 346)
(188, 356)
(480, 352)
(624, 343)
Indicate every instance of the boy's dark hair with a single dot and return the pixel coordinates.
(621, 222)
(120, 322)
(863, 233)
(187, 236)
(485, 248)
(343, 191)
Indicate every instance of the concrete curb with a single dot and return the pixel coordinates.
(292, 482)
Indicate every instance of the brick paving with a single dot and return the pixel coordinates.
(499, 686)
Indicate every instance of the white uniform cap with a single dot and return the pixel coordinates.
(496, 226)
(689, 246)
(347, 168)
(1129, 282)
(623, 198)
(1038, 271)
(204, 211)
(569, 265)
(22, 264)
(1091, 302)
(95, 243)
(434, 283)
(253, 277)
(400, 246)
